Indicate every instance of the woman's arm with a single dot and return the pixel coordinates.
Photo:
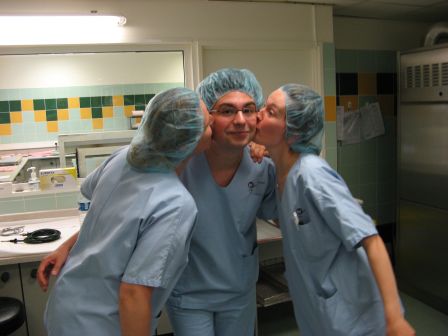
(385, 279)
(52, 263)
(135, 309)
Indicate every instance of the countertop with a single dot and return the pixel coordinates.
(67, 221)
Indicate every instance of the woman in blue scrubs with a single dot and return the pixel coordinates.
(134, 242)
(338, 271)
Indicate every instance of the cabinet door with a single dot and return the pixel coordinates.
(10, 286)
(35, 299)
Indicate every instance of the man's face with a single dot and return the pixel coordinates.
(235, 120)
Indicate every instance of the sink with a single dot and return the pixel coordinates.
(67, 225)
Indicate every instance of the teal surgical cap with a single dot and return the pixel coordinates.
(223, 81)
(304, 118)
(171, 127)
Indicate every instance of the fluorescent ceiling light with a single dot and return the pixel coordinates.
(66, 29)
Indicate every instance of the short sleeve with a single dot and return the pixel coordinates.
(89, 184)
(162, 247)
(334, 202)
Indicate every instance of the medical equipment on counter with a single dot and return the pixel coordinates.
(35, 237)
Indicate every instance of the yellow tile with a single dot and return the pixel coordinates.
(128, 110)
(16, 117)
(330, 108)
(5, 129)
(52, 126)
(27, 105)
(63, 114)
(344, 101)
(108, 112)
(86, 113)
(118, 100)
(40, 115)
(138, 120)
(73, 102)
(97, 123)
(367, 84)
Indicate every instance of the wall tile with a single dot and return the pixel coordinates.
(347, 83)
(366, 61)
(346, 61)
(367, 84)
(347, 101)
(330, 108)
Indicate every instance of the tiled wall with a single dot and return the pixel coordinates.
(28, 115)
(369, 167)
(330, 104)
(47, 201)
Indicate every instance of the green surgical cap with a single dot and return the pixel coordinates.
(304, 118)
(170, 129)
(223, 81)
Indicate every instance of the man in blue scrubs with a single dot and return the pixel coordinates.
(134, 242)
(216, 292)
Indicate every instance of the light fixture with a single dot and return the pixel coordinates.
(61, 29)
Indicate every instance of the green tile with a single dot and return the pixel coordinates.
(366, 60)
(38, 203)
(368, 193)
(5, 118)
(329, 82)
(369, 151)
(39, 104)
(350, 154)
(50, 104)
(12, 205)
(330, 134)
(62, 103)
(129, 100)
(140, 107)
(95, 101)
(97, 112)
(139, 99)
(351, 175)
(387, 192)
(4, 106)
(329, 56)
(107, 101)
(331, 157)
(84, 102)
(66, 200)
(368, 173)
(386, 61)
(346, 61)
(52, 115)
(148, 97)
(15, 105)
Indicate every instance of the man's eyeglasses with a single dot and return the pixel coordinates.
(230, 111)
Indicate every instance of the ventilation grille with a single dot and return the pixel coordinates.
(427, 75)
(444, 74)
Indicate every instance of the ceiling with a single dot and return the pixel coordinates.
(407, 10)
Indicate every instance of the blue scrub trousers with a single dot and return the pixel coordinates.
(197, 322)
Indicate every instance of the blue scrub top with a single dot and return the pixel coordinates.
(137, 231)
(223, 262)
(330, 281)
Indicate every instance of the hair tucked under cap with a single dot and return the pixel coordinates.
(170, 129)
(223, 81)
(304, 118)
